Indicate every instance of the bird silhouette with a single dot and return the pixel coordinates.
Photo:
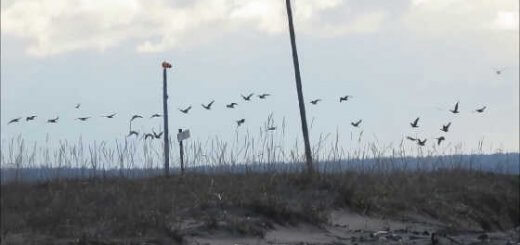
(157, 135)
(499, 71)
(248, 97)
(440, 139)
(446, 127)
(77, 106)
(208, 106)
(480, 110)
(411, 138)
(232, 105)
(415, 123)
(30, 118)
(344, 98)
(83, 118)
(272, 128)
(14, 120)
(54, 120)
(148, 135)
(356, 124)
(314, 102)
(185, 111)
(155, 115)
(263, 96)
(135, 117)
(111, 115)
(240, 122)
(132, 132)
(455, 109)
(421, 142)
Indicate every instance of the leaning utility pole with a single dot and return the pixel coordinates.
(166, 136)
(308, 154)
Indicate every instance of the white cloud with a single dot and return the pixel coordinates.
(58, 26)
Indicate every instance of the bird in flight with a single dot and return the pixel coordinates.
(344, 98)
(440, 139)
(455, 109)
(111, 115)
(272, 128)
(83, 118)
(421, 142)
(54, 120)
(240, 122)
(232, 105)
(208, 106)
(157, 135)
(14, 120)
(480, 110)
(135, 117)
(446, 127)
(185, 111)
(148, 135)
(132, 132)
(248, 97)
(314, 102)
(77, 106)
(415, 123)
(499, 71)
(30, 118)
(411, 138)
(263, 96)
(356, 124)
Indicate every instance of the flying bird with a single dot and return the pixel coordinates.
(314, 102)
(499, 71)
(157, 135)
(77, 106)
(148, 135)
(54, 120)
(411, 138)
(14, 120)
(440, 139)
(232, 105)
(208, 106)
(135, 117)
(132, 132)
(455, 109)
(421, 142)
(240, 122)
(83, 118)
(446, 127)
(263, 96)
(185, 111)
(30, 118)
(356, 124)
(155, 115)
(111, 115)
(248, 97)
(272, 128)
(344, 98)
(480, 110)
(415, 123)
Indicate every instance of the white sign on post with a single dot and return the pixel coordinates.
(183, 135)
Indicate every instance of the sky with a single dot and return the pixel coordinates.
(399, 60)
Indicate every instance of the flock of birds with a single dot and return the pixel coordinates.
(154, 135)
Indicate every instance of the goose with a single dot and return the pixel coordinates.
(208, 106)
(148, 135)
(155, 115)
(14, 120)
(446, 127)
(185, 111)
(135, 117)
(248, 97)
(54, 120)
(240, 122)
(30, 118)
(440, 139)
(344, 98)
(111, 115)
(411, 138)
(480, 110)
(421, 142)
(263, 96)
(157, 135)
(132, 132)
(455, 109)
(232, 105)
(356, 124)
(83, 118)
(314, 102)
(415, 123)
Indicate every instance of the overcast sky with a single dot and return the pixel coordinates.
(398, 59)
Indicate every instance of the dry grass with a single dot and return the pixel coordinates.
(167, 209)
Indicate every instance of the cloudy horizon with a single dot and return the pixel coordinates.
(399, 61)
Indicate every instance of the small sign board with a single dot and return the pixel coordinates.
(183, 135)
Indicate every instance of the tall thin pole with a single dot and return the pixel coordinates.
(181, 153)
(165, 116)
(305, 131)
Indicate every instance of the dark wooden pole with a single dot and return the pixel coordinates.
(181, 149)
(305, 130)
(166, 134)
